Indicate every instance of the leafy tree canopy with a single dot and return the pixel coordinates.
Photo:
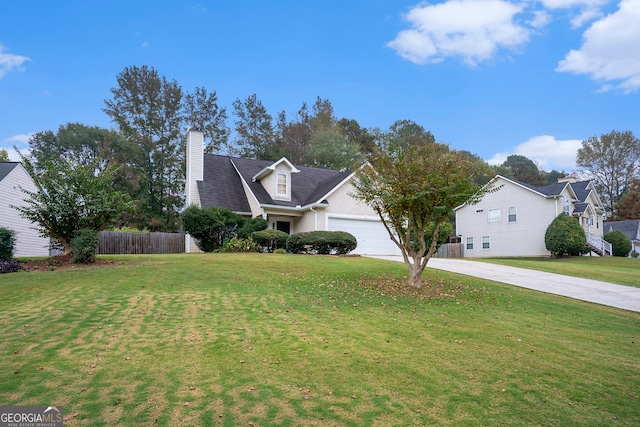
(414, 184)
(523, 169)
(4, 156)
(613, 161)
(71, 196)
(628, 207)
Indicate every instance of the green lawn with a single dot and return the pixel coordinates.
(623, 271)
(250, 339)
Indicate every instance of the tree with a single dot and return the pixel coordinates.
(553, 176)
(255, 134)
(523, 169)
(628, 207)
(153, 114)
(613, 161)
(147, 109)
(414, 184)
(620, 244)
(202, 111)
(4, 155)
(70, 196)
(565, 236)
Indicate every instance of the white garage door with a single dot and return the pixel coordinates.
(372, 237)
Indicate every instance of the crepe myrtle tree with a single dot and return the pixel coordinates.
(70, 196)
(414, 186)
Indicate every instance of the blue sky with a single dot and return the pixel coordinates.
(494, 77)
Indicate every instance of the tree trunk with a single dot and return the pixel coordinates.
(415, 276)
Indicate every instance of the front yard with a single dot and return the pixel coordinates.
(251, 339)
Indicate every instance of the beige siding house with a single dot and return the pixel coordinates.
(291, 198)
(14, 177)
(512, 221)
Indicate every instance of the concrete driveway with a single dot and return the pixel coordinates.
(625, 297)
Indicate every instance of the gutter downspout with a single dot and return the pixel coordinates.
(316, 217)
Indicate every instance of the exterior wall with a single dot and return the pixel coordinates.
(597, 229)
(524, 237)
(342, 204)
(28, 241)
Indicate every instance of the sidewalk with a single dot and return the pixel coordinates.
(625, 297)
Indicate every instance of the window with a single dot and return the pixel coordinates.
(281, 189)
(513, 214)
(495, 215)
(486, 242)
(470, 243)
(565, 205)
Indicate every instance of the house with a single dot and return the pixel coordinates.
(630, 228)
(512, 221)
(14, 177)
(291, 198)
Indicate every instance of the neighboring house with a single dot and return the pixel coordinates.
(512, 221)
(630, 228)
(291, 198)
(13, 177)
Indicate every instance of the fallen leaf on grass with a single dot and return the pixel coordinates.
(186, 404)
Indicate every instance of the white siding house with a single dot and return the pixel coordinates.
(512, 221)
(291, 198)
(13, 177)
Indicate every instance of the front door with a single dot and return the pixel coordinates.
(283, 226)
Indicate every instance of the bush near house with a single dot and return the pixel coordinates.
(620, 244)
(322, 242)
(565, 236)
(7, 243)
(270, 240)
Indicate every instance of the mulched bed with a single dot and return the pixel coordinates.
(59, 262)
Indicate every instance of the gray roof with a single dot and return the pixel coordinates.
(223, 175)
(630, 228)
(6, 168)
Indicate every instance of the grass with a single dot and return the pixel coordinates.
(249, 339)
(623, 271)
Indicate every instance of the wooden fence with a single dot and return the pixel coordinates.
(450, 250)
(115, 242)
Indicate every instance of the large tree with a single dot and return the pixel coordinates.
(523, 169)
(4, 155)
(202, 111)
(612, 161)
(628, 207)
(71, 196)
(153, 114)
(414, 184)
(255, 134)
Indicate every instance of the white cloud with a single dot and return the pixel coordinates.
(470, 29)
(610, 50)
(540, 19)
(10, 62)
(19, 141)
(546, 151)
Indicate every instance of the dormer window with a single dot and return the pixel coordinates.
(281, 184)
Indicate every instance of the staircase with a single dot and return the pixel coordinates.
(598, 245)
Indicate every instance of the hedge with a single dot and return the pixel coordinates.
(322, 242)
(270, 240)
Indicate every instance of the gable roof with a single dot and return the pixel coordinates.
(630, 228)
(224, 176)
(6, 168)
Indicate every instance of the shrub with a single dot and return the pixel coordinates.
(565, 236)
(210, 226)
(270, 240)
(322, 242)
(7, 243)
(620, 244)
(237, 244)
(252, 225)
(9, 266)
(84, 244)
